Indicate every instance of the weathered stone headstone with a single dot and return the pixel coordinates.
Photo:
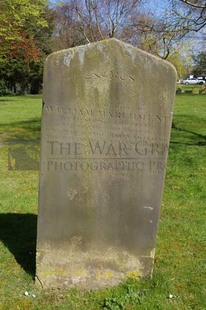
(203, 89)
(106, 123)
(195, 90)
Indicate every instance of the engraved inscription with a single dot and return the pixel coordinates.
(120, 152)
(142, 117)
(111, 74)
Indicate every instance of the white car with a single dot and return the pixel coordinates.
(201, 80)
(191, 81)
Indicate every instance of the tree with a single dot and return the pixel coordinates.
(179, 63)
(68, 29)
(15, 15)
(200, 64)
(25, 31)
(105, 19)
(153, 35)
(16, 60)
(84, 21)
(190, 15)
(165, 34)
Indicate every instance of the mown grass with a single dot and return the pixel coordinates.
(180, 267)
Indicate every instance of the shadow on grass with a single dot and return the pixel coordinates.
(34, 124)
(197, 135)
(6, 99)
(192, 137)
(22, 130)
(18, 233)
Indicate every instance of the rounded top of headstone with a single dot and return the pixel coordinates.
(110, 47)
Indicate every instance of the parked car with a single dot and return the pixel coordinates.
(191, 81)
(201, 80)
(194, 81)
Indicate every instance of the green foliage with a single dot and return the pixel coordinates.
(4, 91)
(200, 64)
(179, 65)
(25, 31)
(15, 14)
(126, 296)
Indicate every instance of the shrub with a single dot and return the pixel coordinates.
(4, 91)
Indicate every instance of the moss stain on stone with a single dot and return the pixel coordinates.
(104, 275)
(134, 274)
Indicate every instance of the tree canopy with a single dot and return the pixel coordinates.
(24, 28)
(16, 14)
(200, 64)
(189, 15)
(31, 29)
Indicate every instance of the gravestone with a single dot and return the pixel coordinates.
(106, 123)
(203, 89)
(195, 90)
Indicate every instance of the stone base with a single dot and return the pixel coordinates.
(67, 265)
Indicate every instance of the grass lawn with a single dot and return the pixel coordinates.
(179, 280)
